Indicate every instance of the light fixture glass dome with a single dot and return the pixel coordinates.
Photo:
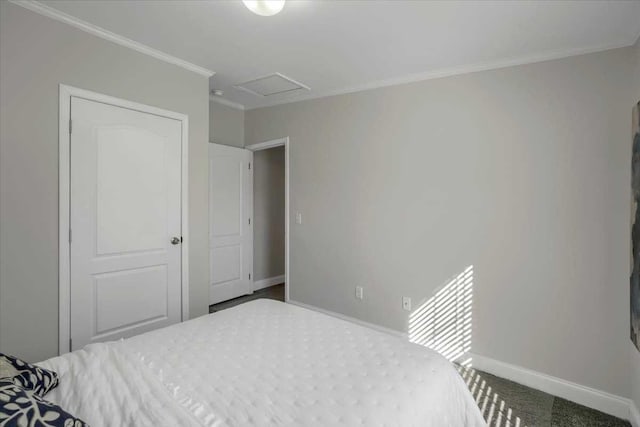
(264, 7)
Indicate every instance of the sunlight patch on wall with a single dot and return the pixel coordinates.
(443, 323)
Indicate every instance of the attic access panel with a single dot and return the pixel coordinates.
(272, 84)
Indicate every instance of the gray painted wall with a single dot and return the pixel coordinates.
(268, 212)
(635, 93)
(522, 172)
(36, 54)
(226, 125)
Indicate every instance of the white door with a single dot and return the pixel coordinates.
(230, 228)
(125, 216)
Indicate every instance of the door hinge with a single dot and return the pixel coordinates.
(70, 344)
(249, 276)
(249, 221)
(69, 235)
(70, 125)
(249, 165)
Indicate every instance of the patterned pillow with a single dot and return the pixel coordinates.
(20, 407)
(7, 370)
(33, 378)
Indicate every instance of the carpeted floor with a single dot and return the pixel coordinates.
(505, 403)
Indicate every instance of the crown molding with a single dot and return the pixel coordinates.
(452, 71)
(226, 102)
(60, 16)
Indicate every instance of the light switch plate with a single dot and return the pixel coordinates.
(359, 292)
(406, 303)
(298, 218)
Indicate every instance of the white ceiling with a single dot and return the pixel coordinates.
(342, 46)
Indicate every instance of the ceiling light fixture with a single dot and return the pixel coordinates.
(264, 7)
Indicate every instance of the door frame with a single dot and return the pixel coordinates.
(281, 142)
(64, 200)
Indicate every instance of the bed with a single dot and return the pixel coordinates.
(262, 363)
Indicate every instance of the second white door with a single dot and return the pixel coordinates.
(230, 222)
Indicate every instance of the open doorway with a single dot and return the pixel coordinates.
(271, 215)
(269, 224)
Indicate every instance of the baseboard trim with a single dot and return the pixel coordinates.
(600, 400)
(270, 281)
(587, 396)
(350, 319)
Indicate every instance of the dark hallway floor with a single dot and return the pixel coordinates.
(272, 292)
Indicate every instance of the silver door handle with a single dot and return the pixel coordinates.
(175, 240)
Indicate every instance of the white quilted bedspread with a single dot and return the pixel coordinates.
(263, 363)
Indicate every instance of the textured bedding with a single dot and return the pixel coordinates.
(263, 363)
